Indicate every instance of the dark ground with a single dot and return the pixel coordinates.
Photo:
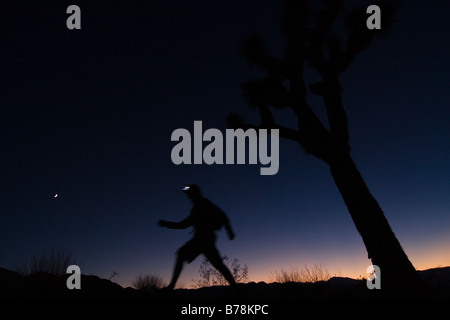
(41, 286)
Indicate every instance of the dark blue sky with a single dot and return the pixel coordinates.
(88, 114)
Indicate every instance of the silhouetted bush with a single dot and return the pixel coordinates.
(148, 283)
(209, 276)
(305, 275)
(54, 262)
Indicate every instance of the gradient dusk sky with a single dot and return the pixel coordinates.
(88, 115)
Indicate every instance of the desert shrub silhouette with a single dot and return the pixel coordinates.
(54, 262)
(209, 276)
(306, 275)
(148, 283)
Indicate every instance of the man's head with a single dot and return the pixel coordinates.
(192, 191)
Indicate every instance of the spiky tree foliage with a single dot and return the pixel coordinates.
(311, 43)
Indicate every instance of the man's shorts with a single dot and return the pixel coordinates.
(194, 247)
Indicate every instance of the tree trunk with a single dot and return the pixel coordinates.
(381, 243)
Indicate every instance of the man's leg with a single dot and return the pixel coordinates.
(188, 252)
(176, 272)
(214, 258)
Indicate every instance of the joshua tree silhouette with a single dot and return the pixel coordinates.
(311, 43)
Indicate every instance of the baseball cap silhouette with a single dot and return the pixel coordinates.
(191, 189)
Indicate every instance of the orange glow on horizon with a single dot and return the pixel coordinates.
(352, 264)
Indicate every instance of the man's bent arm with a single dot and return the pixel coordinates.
(230, 231)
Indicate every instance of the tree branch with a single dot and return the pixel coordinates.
(337, 116)
(235, 121)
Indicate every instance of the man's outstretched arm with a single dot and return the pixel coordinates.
(175, 225)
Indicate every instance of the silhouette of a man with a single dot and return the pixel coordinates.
(206, 218)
